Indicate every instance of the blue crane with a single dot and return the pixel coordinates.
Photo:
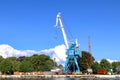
(73, 52)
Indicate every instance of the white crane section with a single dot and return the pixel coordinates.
(58, 18)
(77, 45)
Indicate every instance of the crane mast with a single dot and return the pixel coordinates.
(58, 18)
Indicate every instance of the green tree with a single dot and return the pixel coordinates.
(12, 58)
(45, 63)
(6, 66)
(115, 65)
(15, 64)
(1, 58)
(96, 66)
(105, 64)
(21, 58)
(9, 64)
(25, 66)
(41, 62)
(36, 62)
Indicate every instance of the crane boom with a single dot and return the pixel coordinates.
(58, 18)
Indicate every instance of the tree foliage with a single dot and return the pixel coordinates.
(96, 66)
(26, 64)
(9, 65)
(6, 65)
(1, 58)
(21, 58)
(105, 64)
(115, 65)
(85, 61)
(45, 63)
(41, 62)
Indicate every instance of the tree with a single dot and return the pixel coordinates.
(85, 61)
(21, 58)
(37, 63)
(25, 66)
(10, 65)
(46, 63)
(115, 65)
(12, 58)
(1, 58)
(105, 64)
(96, 66)
(15, 64)
(118, 70)
(6, 66)
(60, 66)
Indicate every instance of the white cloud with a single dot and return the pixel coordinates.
(57, 52)
(8, 51)
(110, 60)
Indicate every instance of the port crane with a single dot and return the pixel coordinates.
(72, 49)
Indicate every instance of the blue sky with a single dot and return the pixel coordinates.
(29, 24)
